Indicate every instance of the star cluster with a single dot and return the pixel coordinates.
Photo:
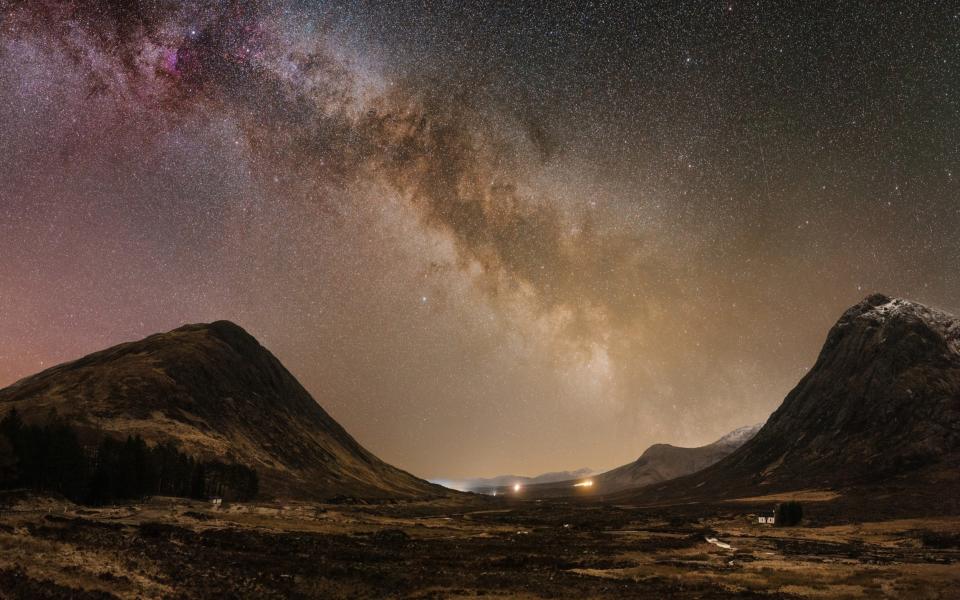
(535, 236)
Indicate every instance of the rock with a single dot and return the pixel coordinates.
(881, 402)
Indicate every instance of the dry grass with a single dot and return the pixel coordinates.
(445, 550)
(799, 496)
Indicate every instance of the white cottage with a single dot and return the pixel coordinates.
(767, 518)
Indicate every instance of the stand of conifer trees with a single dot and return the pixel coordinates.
(50, 458)
(789, 514)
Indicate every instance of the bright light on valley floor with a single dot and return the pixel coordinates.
(516, 487)
(587, 483)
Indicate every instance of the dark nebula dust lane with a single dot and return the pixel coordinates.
(487, 238)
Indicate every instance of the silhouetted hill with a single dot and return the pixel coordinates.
(216, 392)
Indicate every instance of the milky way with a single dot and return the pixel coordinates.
(487, 238)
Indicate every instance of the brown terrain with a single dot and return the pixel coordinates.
(457, 548)
(867, 442)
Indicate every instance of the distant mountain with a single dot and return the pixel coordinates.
(880, 409)
(487, 485)
(216, 392)
(660, 462)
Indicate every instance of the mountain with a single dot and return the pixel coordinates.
(662, 462)
(659, 462)
(880, 409)
(217, 393)
(486, 485)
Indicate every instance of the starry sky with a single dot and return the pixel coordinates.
(488, 237)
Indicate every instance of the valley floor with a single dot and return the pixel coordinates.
(461, 549)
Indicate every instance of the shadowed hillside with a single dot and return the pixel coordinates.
(216, 392)
(879, 410)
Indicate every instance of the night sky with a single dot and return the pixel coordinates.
(487, 237)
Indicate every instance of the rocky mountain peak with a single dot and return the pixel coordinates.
(881, 402)
(896, 322)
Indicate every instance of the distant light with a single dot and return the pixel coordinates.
(516, 487)
(587, 483)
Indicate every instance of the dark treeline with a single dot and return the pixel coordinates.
(789, 514)
(50, 458)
